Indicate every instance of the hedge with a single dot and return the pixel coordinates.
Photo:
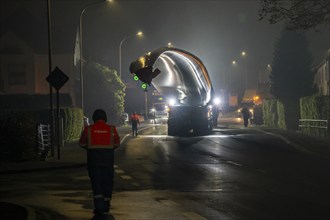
(17, 136)
(273, 114)
(315, 107)
(18, 131)
(72, 123)
(270, 113)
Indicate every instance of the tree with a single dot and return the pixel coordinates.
(297, 14)
(291, 75)
(103, 89)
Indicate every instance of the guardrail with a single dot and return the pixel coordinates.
(314, 127)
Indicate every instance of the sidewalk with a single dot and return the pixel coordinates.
(73, 156)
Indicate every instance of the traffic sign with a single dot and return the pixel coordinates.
(57, 78)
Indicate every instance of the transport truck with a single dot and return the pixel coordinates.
(183, 80)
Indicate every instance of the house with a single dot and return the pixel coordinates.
(24, 59)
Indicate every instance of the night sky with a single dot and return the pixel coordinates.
(215, 31)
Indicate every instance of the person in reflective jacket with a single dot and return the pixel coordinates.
(100, 140)
(246, 115)
(135, 121)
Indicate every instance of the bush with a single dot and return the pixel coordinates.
(315, 107)
(280, 115)
(270, 113)
(18, 136)
(273, 114)
(72, 123)
(18, 133)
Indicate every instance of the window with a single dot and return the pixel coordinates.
(16, 74)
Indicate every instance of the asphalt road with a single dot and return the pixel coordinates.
(230, 174)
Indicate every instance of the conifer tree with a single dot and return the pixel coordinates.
(291, 75)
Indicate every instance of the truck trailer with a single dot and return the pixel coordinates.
(183, 80)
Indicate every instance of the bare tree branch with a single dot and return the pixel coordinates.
(297, 14)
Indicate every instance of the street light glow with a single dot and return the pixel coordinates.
(243, 53)
(139, 34)
(81, 47)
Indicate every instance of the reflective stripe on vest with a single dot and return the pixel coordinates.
(91, 146)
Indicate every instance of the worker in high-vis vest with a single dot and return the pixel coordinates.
(100, 140)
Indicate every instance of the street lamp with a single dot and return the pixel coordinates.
(81, 49)
(169, 45)
(243, 53)
(139, 34)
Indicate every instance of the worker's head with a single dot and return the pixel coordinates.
(99, 114)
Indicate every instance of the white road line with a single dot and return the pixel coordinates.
(119, 171)
(193, 216)
(231, 162)
(126, 177)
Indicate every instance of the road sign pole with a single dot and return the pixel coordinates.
(57, 79)
(58, 124)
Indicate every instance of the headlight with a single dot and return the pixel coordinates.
(216, 101)
(172, 101)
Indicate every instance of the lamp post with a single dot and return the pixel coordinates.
(81, 49)
(243, 53)
(139, 34)
(169, 45)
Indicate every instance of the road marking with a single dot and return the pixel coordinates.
(193, 216)
(231, 162)
(154, 136)
(126, 177)
(119, 171)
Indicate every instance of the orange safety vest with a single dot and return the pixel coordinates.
(100, 139)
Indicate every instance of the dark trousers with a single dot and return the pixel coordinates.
(246, 121)
(102, 183)
(134, 127)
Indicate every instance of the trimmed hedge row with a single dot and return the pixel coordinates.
(72, 123)
(17, 136)
(311, 107)
(18, 131)
(315, 107)
(273, 114)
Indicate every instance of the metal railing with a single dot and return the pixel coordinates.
(314, 127)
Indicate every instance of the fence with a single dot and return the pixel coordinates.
(314, 127)
(43, 140)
